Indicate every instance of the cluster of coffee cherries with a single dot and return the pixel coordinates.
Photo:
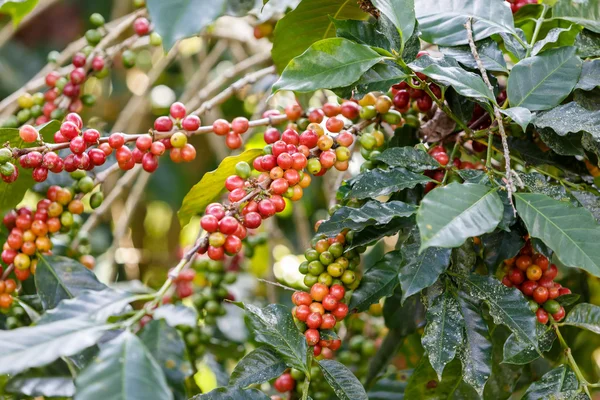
(406, 97)
(515, 5)
(141, 27)
(7, 291)
(534, 276)
(364, 332)
(288, 383)
(440, 154)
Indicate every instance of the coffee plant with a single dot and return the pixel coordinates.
(376, 199)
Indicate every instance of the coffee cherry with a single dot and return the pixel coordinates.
(98, 63)
(252, 220)
(540, 294)
(559, 315)
(149, 162)
(190, 123)
(266, 208)
(97, 156)
(302, 312)
(116, 140)
(240, 125)
(551, 272)
(341, 310)
(163, 124)
(233, 244)
(188, 153)
(177, 110)
(77, 145)
(424, 103)
(312, 336)
(542, 316)
(233, 141)
(143, 142)
(523, 262)
(285, 383)
(316, 116)
(123, 155)
(528, 287)
(40, 174)
(334, 125)
(301, 298)
(314, 320)
(91, 136)
(141, 26)
(331, 110)
(534, 272)
(329, 322)
(28, 134)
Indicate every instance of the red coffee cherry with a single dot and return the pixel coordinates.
(341, 311)
(300, 298)
(318, 291)
(141, 26)
(163, 124)
(116, 140)
(240, 125)
(28, 134)
(302, 312)
(330, 303)
(540, 294)
(314, 320)
(328, 322)
(91, 136)
(542, 316)
(312, 336)
(285, 383)
(98, 63)
(149, 162)
(77, 145)
(190, 123)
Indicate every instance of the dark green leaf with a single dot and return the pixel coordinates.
(513, 45)
(378, 182)
(405, 316)
(463, 258)
(370, 213)
(307, 24)
(461, 106)
(409, 158)
(586, 14)
(259, 366)
(538, 183)
(544, 81)
(209, 188)
(17, 9)
(588, 44)
(443, 23)
(364, 32)
(499, 246)
(232, 393)
(176, 315)
(449, 73)
(474, 176)
(489, 52)
(585, 316)
(520, 115)
(124, 370)
(274, 326)
(444, 330)
(570, 118)
(34, 384)
(379, 78)
(36, 346)
(401, 13)
(374, 233)
(412, 46)
(58, 278)
(560, 382)
(569, 145)
(520, 353)
(343, 382)
(424, 384)
(589, 201)
(327, 64)
(168, 349)
(507, 305)
(390, 388)
(590, 75)
(556, 37)
(570, 231)
(568, 299)
(504, 377)
(178, 19)
(449, 215)
(379, 280)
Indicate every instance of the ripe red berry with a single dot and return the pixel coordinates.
(540, 294)
(516, 276)
(341, 311)
(309, 139)
(77, 145)
(551, 272)
(28, 134)
(69, 130)
(141, 26)
(318, 291)
(216, 253)
(424, 103)
(144, 142)
(77, 76)
(285, 383)
(266, 208)
(337, 291)
(328, 321)
(51, 78)
(228, 225)
(271, 135)
(233, 141)
(221, 127)
(542, 316)
(528, 287)
(188, 152)
(290, 136)
(40, 174)
(560, 314)
(350, 110)
(163, 124)
(234, 182)
(79, 60)
(123, 155)
(300, 298)
(116, 140)
(177, 110)
(252, 220)
(91, 136)
(314, 320)
(215, 209)
(330, 303)
(233, 244)
(240, 125)
(334, 124)
(302, 312)
(316, 116)
(149, 162)
(98, 63)
(97, 156)
(190, 123)
(312, 336)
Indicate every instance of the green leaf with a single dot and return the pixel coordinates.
(569, 145)
(379, 182)
(489, 52)
(463, 258)
(507, 305)
(401, 13)
(36, 346)
(405, 316)
(590, 75)
(168, 349)
(34, 385)
(17, 9)
(424, 384)
(499, 246)
(449, 215)
(568, 118)
(444, 330)
(376, 232)
(560, 382)
(587, 43)
(124, 370)
(210, 186)
(327, 64)
(232, 393)
(274, 326)
(556, 37)
(178, 19)
(571, 232)
(58, 278)
(443, 23)
(446, 71)
(176, 315)
(504, 377)
(568, 299)
(258, 366)
(307, 24)
(513, 45)
(520, 115)
(379, 280)
(538, 183)
(370, 34)
(409, 158)
(420, 270)
(476, 351)
(586, 14)
(544, 81)
(370, 213)
(585, 316)
(379, 78)
(520, 353)
(392, 342)
(343, 382)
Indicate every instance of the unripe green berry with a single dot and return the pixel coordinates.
(59, 114)
(24, 115)
(392, 117)
(88, 100)
(53, 56)
(60, 83)
(314, 166)
(93, 36)
(36, 110)
(243, 170)
(368, 112)
(97, 19)
(78, 174)
(96, 199)
(86, 184)
(7, 169)
(10, 122)
(128, 57)
(155, 39)
(5, 155)
(367, 141)
(66, 219)
(87, 50)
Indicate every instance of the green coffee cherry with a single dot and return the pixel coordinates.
(392, 117)
(128, 57)
(93, 36)
(97, 19)
(53, 56)
(5, 155)
(7, 169)
(155, 39)
(86, 184)
(243, 170)
(96, 200)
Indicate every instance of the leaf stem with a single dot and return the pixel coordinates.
(584, 383)
(488, 158)
(452, 154)
(536, 31)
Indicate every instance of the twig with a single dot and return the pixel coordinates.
(206, 65)
(584, 383)
(497, 114)
(9, 29)
(234, 88)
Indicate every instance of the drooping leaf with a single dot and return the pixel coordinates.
(424, 383)
(203, 193)
(409, 158)
(587, 44)
(520, 115)
(590, 75)
(568, 118)
(560, 382)
(405, 316)
(35, 384)
(274, 326)
(168, 349)
(538, 183)
(488, 50)
(343, 382)
(370, 213)
(585, 316)
(556, 37)
(327, 64)
(232, 393)
(124, 369)
(17, 9)
(443, 23)
(259, 366)
(544, 81)
(36, 346)
(176, 315)
(379, 78)
(449, 215)
(448, 72)
(520, 353)
(307, 24)
(378, 182)
(401, 13)
(589, 201)
(499, 246)
(58, 278)
(569, 145)
(178, 19)
(476, 352)
(374, 233)
(379, 280)
(570, 231)
(507, 305)
(444, 330)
